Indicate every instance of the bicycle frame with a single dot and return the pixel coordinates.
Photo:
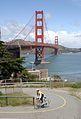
(39, 104)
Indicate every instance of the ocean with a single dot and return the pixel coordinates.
(67, 65)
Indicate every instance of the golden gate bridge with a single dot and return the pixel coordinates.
(39, 43)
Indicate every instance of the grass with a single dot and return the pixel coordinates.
(74, 88)
(15, 101)
(75, 92)
(62, 84)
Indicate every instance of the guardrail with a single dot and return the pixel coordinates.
(46, 84)
(25, 84)
(6, 98)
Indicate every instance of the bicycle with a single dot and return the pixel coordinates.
(38, 104)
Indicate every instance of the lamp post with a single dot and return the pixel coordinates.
(20, 78)
(50, 82)
(21, 84)
(5, 87)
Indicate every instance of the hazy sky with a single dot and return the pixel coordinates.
(63, 19)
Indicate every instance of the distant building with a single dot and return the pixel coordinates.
(44, 74)
(41, 73)
(35, 72)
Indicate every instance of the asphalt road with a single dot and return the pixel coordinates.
(62, 106)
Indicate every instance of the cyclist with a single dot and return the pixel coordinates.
(40, 95)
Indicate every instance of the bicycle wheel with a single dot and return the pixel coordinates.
(47, 102)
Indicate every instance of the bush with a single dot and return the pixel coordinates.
(1, 93)
(76, 85)
(56, 77)
(16, 80)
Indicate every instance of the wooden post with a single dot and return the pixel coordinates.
(6, 100)
(33, 100)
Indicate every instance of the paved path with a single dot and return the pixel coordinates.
(62, 106)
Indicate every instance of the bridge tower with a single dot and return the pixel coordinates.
(56, 45)
(39, 37)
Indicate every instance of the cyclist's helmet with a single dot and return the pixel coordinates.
(37, 89)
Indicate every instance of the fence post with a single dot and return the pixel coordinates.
(50, 83)
(6, 100)
(33, 100)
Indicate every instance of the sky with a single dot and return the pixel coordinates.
(63, 18)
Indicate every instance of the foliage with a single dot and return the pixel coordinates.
(0, 93)
(26, 76)
(67, 50)
(76, 85)
(8, 64)
(56, 77)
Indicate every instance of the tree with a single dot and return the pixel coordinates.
(26, 76)
(8, 65)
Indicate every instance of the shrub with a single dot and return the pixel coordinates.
(76, 85)
(1, 93)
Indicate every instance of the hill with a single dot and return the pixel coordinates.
(62, 49)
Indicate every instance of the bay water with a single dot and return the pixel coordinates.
(67, 65)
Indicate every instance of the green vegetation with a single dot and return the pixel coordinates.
(63, 49)
(74, 88)
(59, 83)
(15, 101)
(8, 64)
(26, 76)
(76, 85)
(75, 92)
(67, 50)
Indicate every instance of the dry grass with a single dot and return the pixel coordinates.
(16, 101)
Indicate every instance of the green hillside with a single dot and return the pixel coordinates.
(63, 49)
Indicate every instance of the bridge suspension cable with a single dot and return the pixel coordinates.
(29, 33)
(46, 28)
(24, 27)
